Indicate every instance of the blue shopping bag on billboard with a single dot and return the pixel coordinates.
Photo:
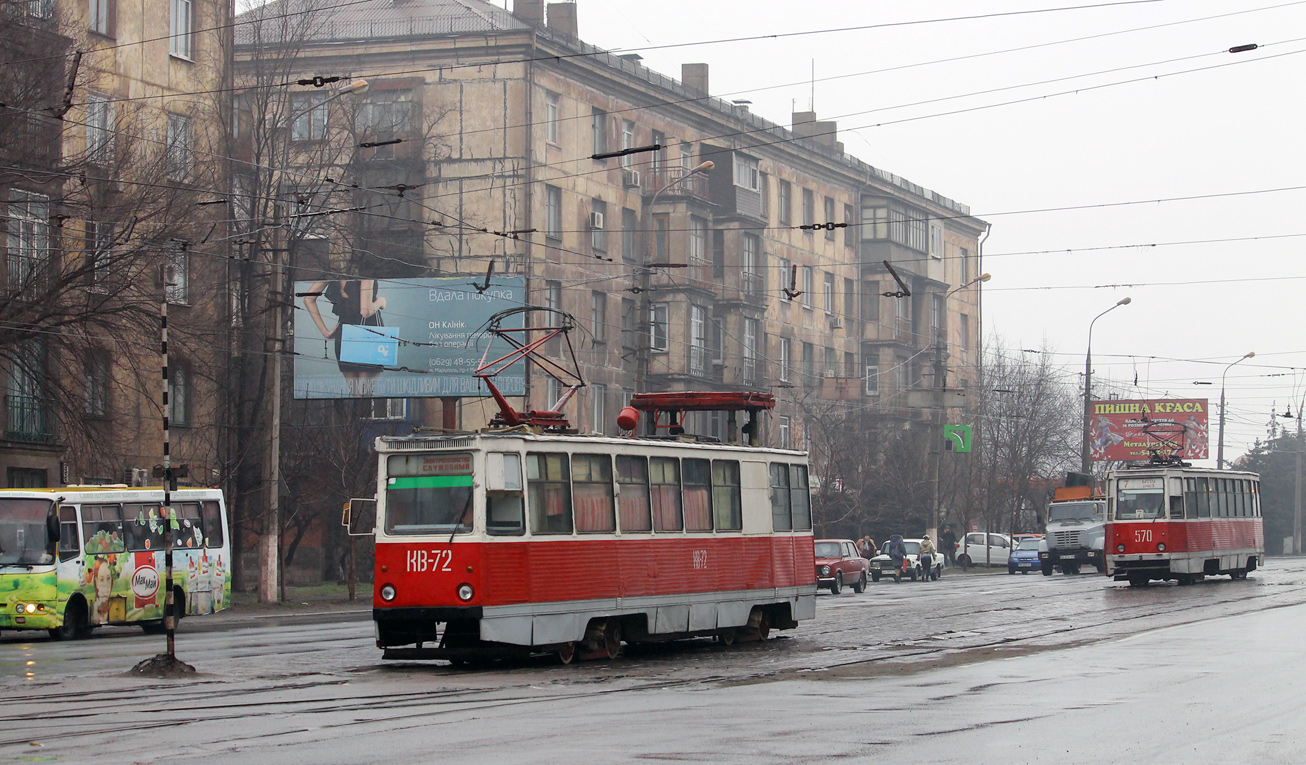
(377, 346)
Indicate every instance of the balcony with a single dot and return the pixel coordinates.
(676, 184)
(28, 419)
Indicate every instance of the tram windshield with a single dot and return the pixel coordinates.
(1140, 505)
(429, 494)
(23, 536)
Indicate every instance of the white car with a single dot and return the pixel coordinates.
(974, 550)
(882, 564)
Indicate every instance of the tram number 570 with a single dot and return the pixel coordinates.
(1142, 535)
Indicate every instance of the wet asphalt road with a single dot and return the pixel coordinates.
(981, 667)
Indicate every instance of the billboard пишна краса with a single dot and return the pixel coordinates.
(1118, 430)
(400, 338)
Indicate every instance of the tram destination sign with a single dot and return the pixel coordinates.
(401, 338)
(1128, 430)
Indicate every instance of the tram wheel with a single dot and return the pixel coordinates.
(1137, 581)
(612, 638)
(566, 654)
(726, 637)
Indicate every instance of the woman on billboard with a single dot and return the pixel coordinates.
(355, 303)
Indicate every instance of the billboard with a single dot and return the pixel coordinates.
(400, 338)
(1117, 429)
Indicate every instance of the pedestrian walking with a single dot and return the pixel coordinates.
(948, 545)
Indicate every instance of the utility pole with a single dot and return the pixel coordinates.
(269, 581)
(1296, 503)
(936, 436)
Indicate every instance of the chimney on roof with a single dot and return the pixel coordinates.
(694, 77)
(822, 133)
(529, 11)
(562, 18)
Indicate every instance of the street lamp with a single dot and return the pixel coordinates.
(1084, 453)
(940, 381)
(1219, 455)
(645, 279)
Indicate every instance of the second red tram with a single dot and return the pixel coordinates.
(1182, 523)
(511, 543)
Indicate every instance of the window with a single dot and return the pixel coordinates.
(781, 498)
(850, 230)
(936, 314)
(658, 340)
(807, 286)
(179, 147)
(551, 117)
(754, 284)
(850, 298)
(661, 224)
(697, 240)
(599, 316)
(786, 431)
(917, 230)
(871, 380)
(389, 409)
(627, 141)
(698, 341)
(936, 241)
(686, 156)
(696, 491)
(809, 208)
(386, 113)
(598, 236)
(850, 365)
(750, 351)
(29, 416)
(965, 331)
(102, 529)
(633, 500)
(765, 189)
(831, 362)
(870, 301)
(875, 223)
(95, 393)
(747, 174)
(29, 237)
(664, 487)
(553, 212)
(180, 28)
(549, 493)
(629, 227)
(591, 484)
(785, 203)
(727, 506)
(658, 160)
(598, 408)
(964, 265)
(177, 270)
(828, 293)
(598, 130)
(308, 116)
(829, 218)
(179, 394)
(99, 247)
(809, 364)
(430, 495)
(553, 295)
(785, 358)
(99, 128)
(97, 17)
(800, 498)
(552, 392)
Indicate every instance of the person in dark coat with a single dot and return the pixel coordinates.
(948, 545)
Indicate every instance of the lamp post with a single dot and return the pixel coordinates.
(269, 590)
(1219, 454)
(645, 317)
(940, 381)
(1085, 464)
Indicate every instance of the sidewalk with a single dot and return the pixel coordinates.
(324, 602)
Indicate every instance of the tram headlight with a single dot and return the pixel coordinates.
(387, 592)
(465, 592)
(1160, 546)
(1120, 547)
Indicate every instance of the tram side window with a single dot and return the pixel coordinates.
(504, 514)
(632, 478)
(213, 536)
(664, 480)
(1254, 499)
(781, 511)
(102, 529)
(727, 507)
(143, 526)
(697, 493)
(549, 492)
(190, 531)
(591, 485)
(800, 497)
(1190, 498)
(1177, 506)
(1203, 498)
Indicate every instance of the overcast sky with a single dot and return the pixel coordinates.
(1151, 109)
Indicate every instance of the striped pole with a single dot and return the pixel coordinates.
(169, 623)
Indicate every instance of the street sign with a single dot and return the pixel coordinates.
(956, 438)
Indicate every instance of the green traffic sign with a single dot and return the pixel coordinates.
(956, 438)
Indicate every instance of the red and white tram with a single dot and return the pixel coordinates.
(503, 543)
(1168, 521)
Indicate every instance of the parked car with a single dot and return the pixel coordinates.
(882, 564)
(838, 563)
(1024, 556)
(974, 549)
